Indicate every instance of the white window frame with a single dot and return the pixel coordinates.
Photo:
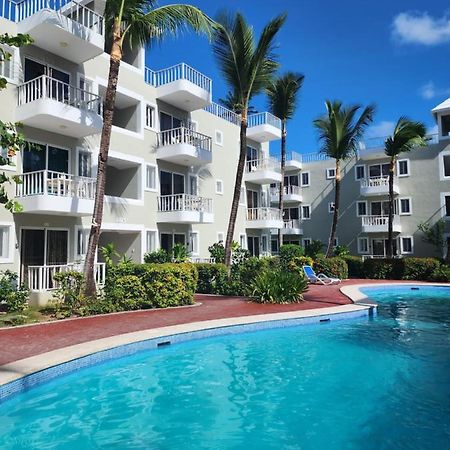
(13, 63)
(79, 151)
(218, 137)
(306, 240)
(221, 237)
(147, 240)
(219, 191)
(243, 238)
(327, 173)
(400, 206)
(197, 187)
(85, 231)
(441, 165)
(9, 244)
(360, 251)
(192, 250)
(153, 127)
(408, 163)
(443, 195)
(357, 208)
(402, 250)
(306, 206)
(330, 207)
(155, 168)
(307, 172)
(356, 172)
(243, 198)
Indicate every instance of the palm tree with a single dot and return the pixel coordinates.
(339, 132)
(282, 94)
(231, 102)
(406, 136)
(135, 22)
(247, 67)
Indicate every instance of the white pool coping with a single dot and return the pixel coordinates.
(17, 370)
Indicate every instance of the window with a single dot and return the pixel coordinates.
(171, 183)
(291, 214)
(445, 165)
(264, 244)
(221, 237)
(5, 250)
(379, 170)
(305, 178)
(150, 177)
(403, 167)
(84, 164)
(306, 212)
(45, 157)
(82, 240)
(331, 207)
(193, 243)
(168, 122)
(219, 137)
(445, 202)
(361, 209)
(331, 173)
(406, 245)
(219, 187)
(363, 245)
(335, 242)
(405, 206)
(151, 244)
(149, 116)
(360, 172)
(7, 65)
(274, 246)
(168, 240)
(306, 242)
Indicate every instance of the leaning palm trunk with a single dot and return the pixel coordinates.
(390, 243)
(237, 188)
(337, 196)
(283, 168)
(108, 112)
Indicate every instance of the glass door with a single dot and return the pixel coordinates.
(253, 245)
(32, 251)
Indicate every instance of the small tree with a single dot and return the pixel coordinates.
(434, 235)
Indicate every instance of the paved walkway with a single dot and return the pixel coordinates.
(22, 342)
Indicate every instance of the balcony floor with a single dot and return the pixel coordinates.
(184, 155)
(184, 95)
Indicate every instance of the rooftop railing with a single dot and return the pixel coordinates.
(375, 143)
(180, 71)
(314, 157)
(263, 118)
(293, 156)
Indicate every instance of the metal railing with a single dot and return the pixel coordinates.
(45, 87)
(184, 135)
(293, 156)
(42, 278)
(314, 157)
(180, 71)
(262, 119)
(18, 11)
(375, 182)
(184, 202)
(47, 182)
(375, 221)
(263, 213)
(267, 163)
(223, 113)
(288, 190)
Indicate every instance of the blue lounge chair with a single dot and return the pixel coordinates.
(320, 278)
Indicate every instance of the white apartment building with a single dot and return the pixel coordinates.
(172, 162)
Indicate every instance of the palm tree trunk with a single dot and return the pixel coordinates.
(390, 243)
(108, 112)
(337, 196)
(237, 189)
(283, 166)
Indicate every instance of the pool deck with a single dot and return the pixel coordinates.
(27, 341)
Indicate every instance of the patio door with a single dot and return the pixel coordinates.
(253, 245)
(42, 157)
(171, 183)
(380, 208)
(379, 247)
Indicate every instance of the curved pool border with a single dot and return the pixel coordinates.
(22, 375)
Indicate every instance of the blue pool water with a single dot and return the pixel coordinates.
(372, 384)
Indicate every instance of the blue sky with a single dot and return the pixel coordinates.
(394, 53)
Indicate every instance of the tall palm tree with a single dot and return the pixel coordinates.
(282, 94)
(248, 67)
(339, 132)
(135, 22)
(231, 102)
(406, 136)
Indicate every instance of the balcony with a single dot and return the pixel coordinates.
(62, 27)
(263, 127)
(47, 192)
(181, 86)
(372, 187)
(184, 208)
(292, 227)
(379, 224)
(293, 161)
(49, 104)
(264, 217)
(262, 171)
(184, 147)
(292, 194)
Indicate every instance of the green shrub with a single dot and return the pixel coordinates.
(180, 253)
(217, 251)
(419, 268)
(341, 250)
(158, 257)
(69, 293)
(333, 267)
(441, 274)
(288, 252)
(296, 265)
(15, 297)
(245, 273)
(314, 249)
(382, 269)
(355, 266)
(278, 287)
(212, 278)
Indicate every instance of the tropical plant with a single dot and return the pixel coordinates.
(341, 250)
(282, 94)
(247, 67)
(339, 133)
(14, 295)
(406, 136)
(109, 253)
(132, 22)
(314, 248)
(217, 251)
(231, 102)
(160, 256)
(180, 253)
(434, 234)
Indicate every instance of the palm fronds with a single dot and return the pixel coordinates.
(282, 94)
(406, 136)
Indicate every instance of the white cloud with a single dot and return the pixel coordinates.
(429, 91)
(421, 28)
(381, 129)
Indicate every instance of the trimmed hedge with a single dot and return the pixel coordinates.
(212, 278)
(334, 267)
(152, 285)
(355, 266)
(419, 268)
(381, 269)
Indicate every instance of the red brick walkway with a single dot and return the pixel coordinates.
(22, 342)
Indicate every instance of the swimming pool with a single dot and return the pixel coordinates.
(380, 383)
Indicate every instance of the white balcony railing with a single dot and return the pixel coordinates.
(45, 87)
(180, 71)
(184, 202)
(263, 213)
(313, 157)
(376, 143)
(184, 135)
(379, 221)
(41, 278)
(264, 118)
(18, 11)
(223, 113)
(292, 224)
(288, 190)
(293, 156)
(268, 163)
(375, 182)
(47, 182)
